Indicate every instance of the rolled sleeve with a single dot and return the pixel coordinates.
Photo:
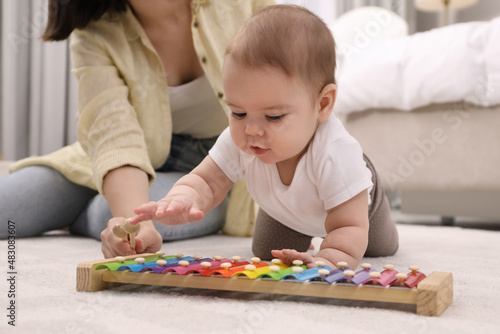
(108, 128)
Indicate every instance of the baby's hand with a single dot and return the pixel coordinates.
(173, 210)
(287, 256)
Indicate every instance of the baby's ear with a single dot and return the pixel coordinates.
(326, 100)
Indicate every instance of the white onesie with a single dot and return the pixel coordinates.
(331, 172)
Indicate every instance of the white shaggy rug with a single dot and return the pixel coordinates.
(46, 300)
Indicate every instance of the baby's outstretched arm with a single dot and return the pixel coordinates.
(190, 198)
(347, 236)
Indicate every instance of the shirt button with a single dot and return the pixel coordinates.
(195, 24)
(220, 95)
(203, 59)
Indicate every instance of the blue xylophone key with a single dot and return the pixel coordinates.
(136, 267)
(306, 275)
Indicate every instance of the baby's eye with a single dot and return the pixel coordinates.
(274, 118)
(238, 115)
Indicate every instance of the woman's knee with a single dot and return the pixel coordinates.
(39, 199)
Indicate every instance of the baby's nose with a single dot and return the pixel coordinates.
(254, 129)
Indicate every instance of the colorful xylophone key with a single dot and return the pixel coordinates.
(120, 261)
(306, 275)
(333, 276)
(141, 264)
(256, 270)
(227, 269)
(163, 266)
(410, 280)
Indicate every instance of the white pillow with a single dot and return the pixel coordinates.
(354, 30)
(441, 65)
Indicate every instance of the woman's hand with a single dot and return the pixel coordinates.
(147, 240)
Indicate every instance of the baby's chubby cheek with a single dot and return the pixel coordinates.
(240, 141)
(280, 126)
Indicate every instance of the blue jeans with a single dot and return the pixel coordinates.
(39, 199)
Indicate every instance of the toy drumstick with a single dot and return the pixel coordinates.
(120, 232)
(130, 229)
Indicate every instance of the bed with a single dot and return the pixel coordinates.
(426, 109)
(442, 166)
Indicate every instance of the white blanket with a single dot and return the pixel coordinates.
(460, 62)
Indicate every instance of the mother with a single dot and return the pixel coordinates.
(150, 101)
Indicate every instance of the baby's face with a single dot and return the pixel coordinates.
(272, 116)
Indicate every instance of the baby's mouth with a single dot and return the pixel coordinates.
(257, 150)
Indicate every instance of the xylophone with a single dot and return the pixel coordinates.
(431, 294)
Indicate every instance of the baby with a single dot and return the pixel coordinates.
(308, 175)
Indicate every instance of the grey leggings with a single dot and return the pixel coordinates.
(39, 199)
(383, 238)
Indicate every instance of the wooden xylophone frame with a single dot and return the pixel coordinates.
(432, 295)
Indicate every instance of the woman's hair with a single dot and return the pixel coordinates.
(67, 15)
(290, 38)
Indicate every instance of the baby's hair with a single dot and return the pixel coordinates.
(290, 38)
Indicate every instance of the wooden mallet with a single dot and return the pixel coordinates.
(121, 231)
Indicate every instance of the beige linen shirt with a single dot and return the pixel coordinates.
(123, 101)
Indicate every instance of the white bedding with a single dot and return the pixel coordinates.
(460, 62)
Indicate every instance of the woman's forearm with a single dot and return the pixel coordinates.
(125, 188)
